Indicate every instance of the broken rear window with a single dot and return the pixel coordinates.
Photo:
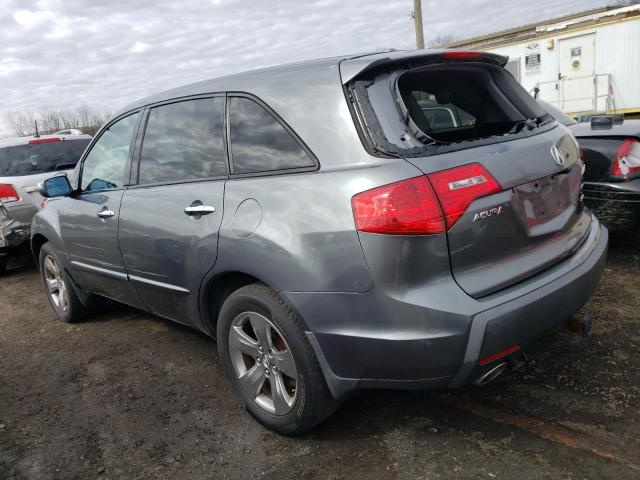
(445, 104)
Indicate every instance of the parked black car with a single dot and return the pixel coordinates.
(611, 152)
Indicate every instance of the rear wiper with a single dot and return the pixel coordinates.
(530, 123)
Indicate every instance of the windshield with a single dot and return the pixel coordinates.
(445, 104)
(30, 159)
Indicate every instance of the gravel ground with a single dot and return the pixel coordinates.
(129, 395)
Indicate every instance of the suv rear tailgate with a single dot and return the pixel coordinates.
(534, 222)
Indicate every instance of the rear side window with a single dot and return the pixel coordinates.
(259, 143)
(43, 157)
(184, 141)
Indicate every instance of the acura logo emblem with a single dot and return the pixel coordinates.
(557, 155)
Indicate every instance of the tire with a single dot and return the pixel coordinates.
(259, 365)
(58, 288)
(4, 260)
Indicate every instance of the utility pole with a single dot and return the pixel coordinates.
(417, 20)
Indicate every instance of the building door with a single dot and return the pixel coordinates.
(577, 70)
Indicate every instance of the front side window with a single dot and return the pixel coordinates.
(259, 143)
(105, 166)
(184, 141)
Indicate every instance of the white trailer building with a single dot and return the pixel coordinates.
(582, 63)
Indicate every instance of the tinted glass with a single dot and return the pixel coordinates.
(40, 157)
(105, 166)
(259, 143)
(184, 141)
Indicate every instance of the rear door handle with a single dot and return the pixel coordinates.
(106, 213)
(199, 210)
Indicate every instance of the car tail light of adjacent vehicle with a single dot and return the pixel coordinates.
(424, 205)
(8, 193)
(626, 165)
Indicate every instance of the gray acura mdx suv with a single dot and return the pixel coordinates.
(312, 220)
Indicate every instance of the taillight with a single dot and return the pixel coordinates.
(458, 187)
(627, 162)
(422, 205)
(44, 140)
(8, 193)
(409, 207)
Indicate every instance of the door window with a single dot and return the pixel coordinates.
(105, 166)
(259, 143)
(184, 141)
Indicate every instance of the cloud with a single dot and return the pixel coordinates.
(139, 47)
(108, 53)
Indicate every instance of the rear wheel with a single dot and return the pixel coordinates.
(4, 259)
(60, 292)
(272, 367)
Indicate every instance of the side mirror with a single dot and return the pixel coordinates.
(56, 187)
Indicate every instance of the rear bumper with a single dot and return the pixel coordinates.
(434, 337)
(15, 226)
(616, 204)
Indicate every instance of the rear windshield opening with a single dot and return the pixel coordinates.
(30, 159)
(453, 103)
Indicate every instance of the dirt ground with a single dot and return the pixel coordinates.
(129, 395)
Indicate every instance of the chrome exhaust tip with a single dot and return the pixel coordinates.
(492, 374)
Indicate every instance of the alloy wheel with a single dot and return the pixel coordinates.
(55, 283)
(263, 363)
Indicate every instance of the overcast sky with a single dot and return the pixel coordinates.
(107, 53)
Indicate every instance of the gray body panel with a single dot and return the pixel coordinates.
(165, 252)
(92, 246)
(380, 310)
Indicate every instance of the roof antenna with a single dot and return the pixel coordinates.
(37, 135)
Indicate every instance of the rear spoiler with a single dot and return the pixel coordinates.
(606, 122)
(370, 64)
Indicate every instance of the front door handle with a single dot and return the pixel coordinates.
(106, 213)
(199, 210)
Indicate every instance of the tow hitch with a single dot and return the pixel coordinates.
(578, 326)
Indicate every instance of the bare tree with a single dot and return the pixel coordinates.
(51, 119)
(442, 40)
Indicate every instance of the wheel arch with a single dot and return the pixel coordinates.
(218, 288)
(37, 241)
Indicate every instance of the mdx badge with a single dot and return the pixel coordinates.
(488, 213)
(557, 155)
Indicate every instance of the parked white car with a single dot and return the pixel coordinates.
(24, 163)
